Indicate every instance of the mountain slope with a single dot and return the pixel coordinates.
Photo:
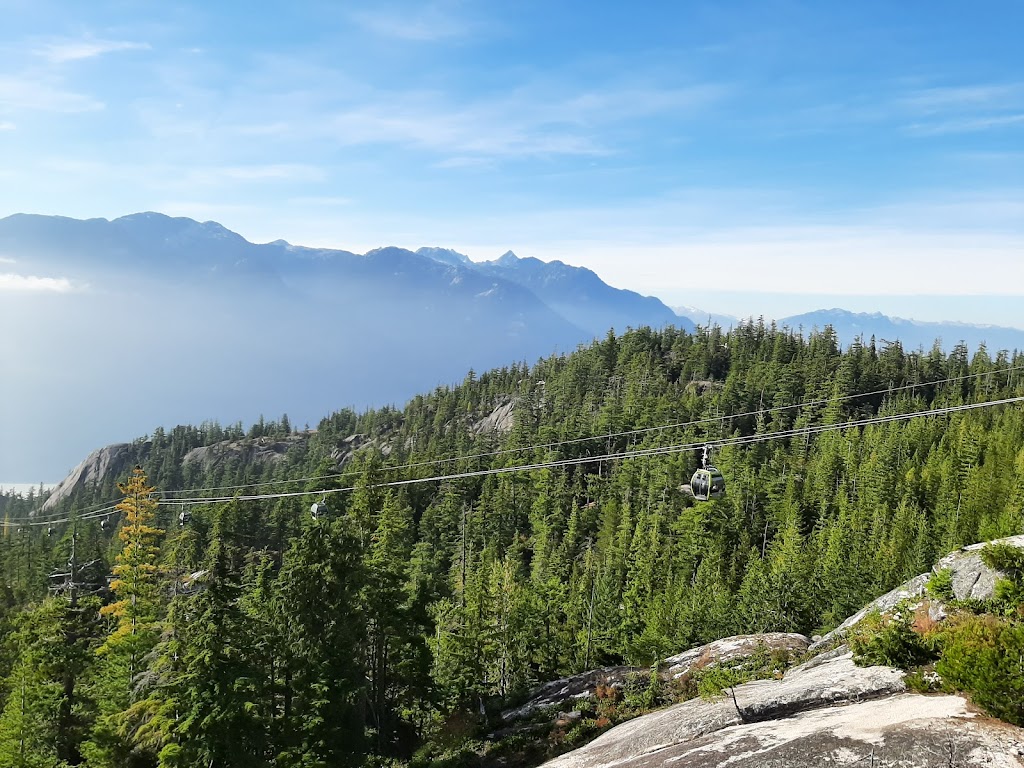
(705, 318)
(912, 334)
(579, 295)
(158, 320)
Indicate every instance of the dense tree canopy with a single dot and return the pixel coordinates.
(439, 579)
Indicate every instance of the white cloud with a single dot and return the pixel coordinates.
(23, 93)
(61, 51)
(963, 109)
(944, 99)
(966, 125)
(294, 172)
(31, 283)
(7, 125)
(528, 122)
(421, 23)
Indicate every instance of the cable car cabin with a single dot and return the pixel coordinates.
(707, 484)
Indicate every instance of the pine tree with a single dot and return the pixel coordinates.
(224, 712)
(323, 630)
(29, 723)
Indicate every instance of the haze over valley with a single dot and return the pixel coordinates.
(150, 321)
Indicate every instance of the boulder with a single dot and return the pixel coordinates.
(972, 579)
(562, 692)
(732, 649)
(565, 690)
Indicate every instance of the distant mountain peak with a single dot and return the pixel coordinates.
(508, 257)
(152, 224)
(912, 334)
(445, 256)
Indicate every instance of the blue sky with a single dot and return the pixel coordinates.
(746, 157)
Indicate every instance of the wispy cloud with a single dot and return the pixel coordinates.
(7, 125)
(25, 93)
(294, 172)
(966, 125)
(32, 283)
(326, 201)
(529, 122)
(472, 131)
(61, 51)
(917, 112)
(963, 109)
(961, 97)
(428, 22)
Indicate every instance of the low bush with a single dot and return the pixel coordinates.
(889, 641)
(983, 656)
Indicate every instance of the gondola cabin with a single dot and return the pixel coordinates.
(707, 484)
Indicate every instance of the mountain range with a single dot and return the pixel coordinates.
(849, 326)
(114, 327)
(149, 320)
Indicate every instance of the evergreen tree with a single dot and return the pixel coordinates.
(135, 618)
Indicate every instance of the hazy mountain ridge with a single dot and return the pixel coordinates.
(230, 329)
(706, 318)
(579, 295)
(576, 293)
(849, 326)
(912, 334)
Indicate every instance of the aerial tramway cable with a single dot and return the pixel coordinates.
(631, 454)
(103, 511)
(604, 436)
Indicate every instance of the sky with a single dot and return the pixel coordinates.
(749, 158)
(732, 156)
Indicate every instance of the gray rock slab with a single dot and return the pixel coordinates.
(906, 730)
(810, 686)
(732, 648)
(565, 690)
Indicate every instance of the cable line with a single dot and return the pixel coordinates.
(631, 454)
(603, 436)
(167, 497)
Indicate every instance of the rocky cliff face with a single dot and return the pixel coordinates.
(111, 460)
(259, 451)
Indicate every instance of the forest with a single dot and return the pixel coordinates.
(401, 574)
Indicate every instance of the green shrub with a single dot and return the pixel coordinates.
(1009, 592)
(1006, 558)
(940, 585)
(715, 680)
(889, 641)
(984, 657)
(922, 681)
(643, 690)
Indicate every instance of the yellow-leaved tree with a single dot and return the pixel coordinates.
(135, 626)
